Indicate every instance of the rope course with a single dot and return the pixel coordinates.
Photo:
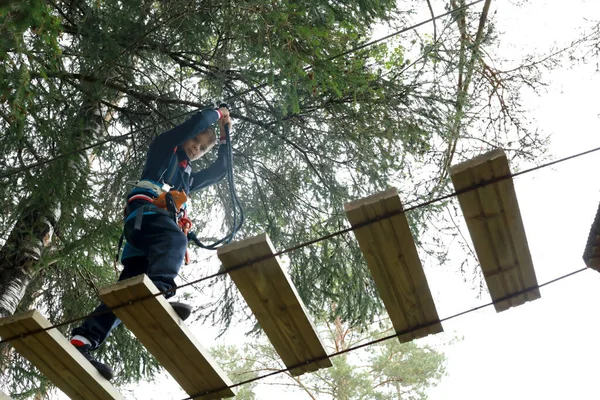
(392, 336)
(319, 239)
(483, 209)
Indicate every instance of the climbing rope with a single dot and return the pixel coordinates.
(238, 212)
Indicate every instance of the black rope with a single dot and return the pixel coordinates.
(365, 45)
(238, 211)
(310, 242)
(382, 339)
(229, 99)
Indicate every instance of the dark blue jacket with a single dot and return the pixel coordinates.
(166, 162)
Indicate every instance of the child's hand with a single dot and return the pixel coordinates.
(224, 112)
(225, 121)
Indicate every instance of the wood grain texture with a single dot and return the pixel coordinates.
(391, 255)
(273, 299)
(158, 327)
(56, 358)
(494, 221)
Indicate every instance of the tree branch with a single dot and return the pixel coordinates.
(433, 21)
(463, 87)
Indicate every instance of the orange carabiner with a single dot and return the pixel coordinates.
(179, 197)
(185, 224)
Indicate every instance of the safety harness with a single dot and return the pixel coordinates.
(173, 203)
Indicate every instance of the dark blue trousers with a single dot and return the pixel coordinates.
(163, 244)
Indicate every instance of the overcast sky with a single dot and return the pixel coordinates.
(546, 349)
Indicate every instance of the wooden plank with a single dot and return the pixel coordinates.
(153, 335)
(273, 299)
(391, 255)
(162, 332)
(478, 229)
(591, 254)
(594, 263)
(523, 267)
(56, 358)
(4, 396)
(491, 236)
(497, 221)
(496, 227)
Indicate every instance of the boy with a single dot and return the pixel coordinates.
(156, 244)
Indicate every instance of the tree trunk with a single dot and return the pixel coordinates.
(40, 218)
(32, 233)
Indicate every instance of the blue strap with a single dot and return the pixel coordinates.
(138, 218)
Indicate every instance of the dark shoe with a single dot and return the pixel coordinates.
(104, 369)
(183, 310)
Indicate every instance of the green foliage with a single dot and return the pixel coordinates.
(388, 370)
(409, 380)
(239, 367)
(326, 130)
(29, 34)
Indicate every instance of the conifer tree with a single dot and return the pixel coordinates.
(388, 370)
(318, 123)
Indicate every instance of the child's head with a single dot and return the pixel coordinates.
(197, 146)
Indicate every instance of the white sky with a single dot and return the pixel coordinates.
(546, 349)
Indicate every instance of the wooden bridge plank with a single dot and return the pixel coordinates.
(591, 254)
(478, 230)
(56, 358)
(161, 331)
(392, 258)
(152, 332)
(496, 227)
(273, 299)
(403, 236)
(4, 396)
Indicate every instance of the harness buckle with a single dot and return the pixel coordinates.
(177, 197)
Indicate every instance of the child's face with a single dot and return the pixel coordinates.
(197, 146)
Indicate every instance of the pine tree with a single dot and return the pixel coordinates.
(315, 128)
(388, 370)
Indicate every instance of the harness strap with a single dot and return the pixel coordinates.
(138, 218)
(140, 197)
(118, 252)
(171, 205)
(148, 208)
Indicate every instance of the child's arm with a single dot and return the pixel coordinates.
(217, 170)
(213, 174)
(190, 128)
